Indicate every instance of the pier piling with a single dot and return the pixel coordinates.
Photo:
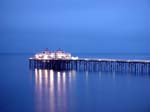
(93, 65)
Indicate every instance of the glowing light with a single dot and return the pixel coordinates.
(36, 56)
(86, 59)
(36, 76)
(40, 73)
(58, 82)
(51, 75)
(54, 55)
(46, 74)
(74, 58)
(64, 77)
(64, 82)
(58, 75)
(36, 72)
(40, 76)
(46, 77)
(45, 57)
(52, 98)
(51, 72)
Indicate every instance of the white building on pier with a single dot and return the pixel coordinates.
(59, 54)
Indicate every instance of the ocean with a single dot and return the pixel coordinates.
(35, 90)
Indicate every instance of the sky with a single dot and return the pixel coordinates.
(103, 26)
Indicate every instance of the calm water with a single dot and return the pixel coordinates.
(24, 90)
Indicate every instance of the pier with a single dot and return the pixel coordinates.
(92, 65)
(60, 60)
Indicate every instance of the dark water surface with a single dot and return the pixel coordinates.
(25, 90)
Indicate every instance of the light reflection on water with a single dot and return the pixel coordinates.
(65, 91)
(53, 88)
(50, 88)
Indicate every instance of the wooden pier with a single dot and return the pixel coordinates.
(92, 65)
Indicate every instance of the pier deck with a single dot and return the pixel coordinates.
(93, 65)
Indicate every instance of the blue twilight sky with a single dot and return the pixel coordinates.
(104, 26)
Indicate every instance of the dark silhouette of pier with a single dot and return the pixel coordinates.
(92, 65)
